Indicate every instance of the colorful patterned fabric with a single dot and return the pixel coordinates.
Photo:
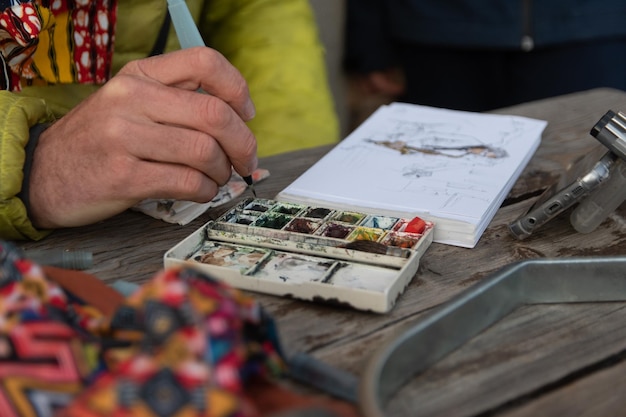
(60, 41)
(182, 345)
(47, 352)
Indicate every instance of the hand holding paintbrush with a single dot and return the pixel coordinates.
(145, 134)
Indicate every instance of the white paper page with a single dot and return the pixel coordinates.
(417, 159)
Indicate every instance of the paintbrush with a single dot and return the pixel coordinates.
(188, 37)
(79, 260)
(371, 246)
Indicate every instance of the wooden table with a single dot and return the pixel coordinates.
(540, 360)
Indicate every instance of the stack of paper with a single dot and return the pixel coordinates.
(451, 167)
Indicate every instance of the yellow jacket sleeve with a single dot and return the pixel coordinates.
(17, 115)
(276, 46)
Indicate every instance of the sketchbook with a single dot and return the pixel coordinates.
(452, 168)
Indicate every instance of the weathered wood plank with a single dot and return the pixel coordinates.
(601, 393)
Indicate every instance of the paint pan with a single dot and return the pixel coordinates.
(240, 218)
(273, 220)
(303, 225)
(350, 217)
(231, 256)
(317, 212)
(287, 208)
(366, 233)
(308, 253)
(258, 206)
(380, 222)
(335, 230)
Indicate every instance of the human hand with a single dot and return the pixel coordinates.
(147, 133)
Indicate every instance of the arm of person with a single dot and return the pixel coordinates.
(22, 120)
(275, 45)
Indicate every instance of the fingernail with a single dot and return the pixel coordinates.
(249, 110)
(255, 164)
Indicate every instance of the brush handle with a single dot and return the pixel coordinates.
(59, 258)
(184, 25)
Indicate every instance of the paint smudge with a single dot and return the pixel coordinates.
(229, 256)
(294, 268)
(364, 277)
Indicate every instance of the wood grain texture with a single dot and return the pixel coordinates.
(541, 360)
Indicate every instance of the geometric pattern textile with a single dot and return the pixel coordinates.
(182, 345)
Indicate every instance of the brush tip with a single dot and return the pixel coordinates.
(248, 179)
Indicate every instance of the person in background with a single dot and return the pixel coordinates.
(479, 55)
(100, 108)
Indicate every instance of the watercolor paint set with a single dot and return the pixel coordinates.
(320, 254)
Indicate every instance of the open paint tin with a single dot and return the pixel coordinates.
(356, 259)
